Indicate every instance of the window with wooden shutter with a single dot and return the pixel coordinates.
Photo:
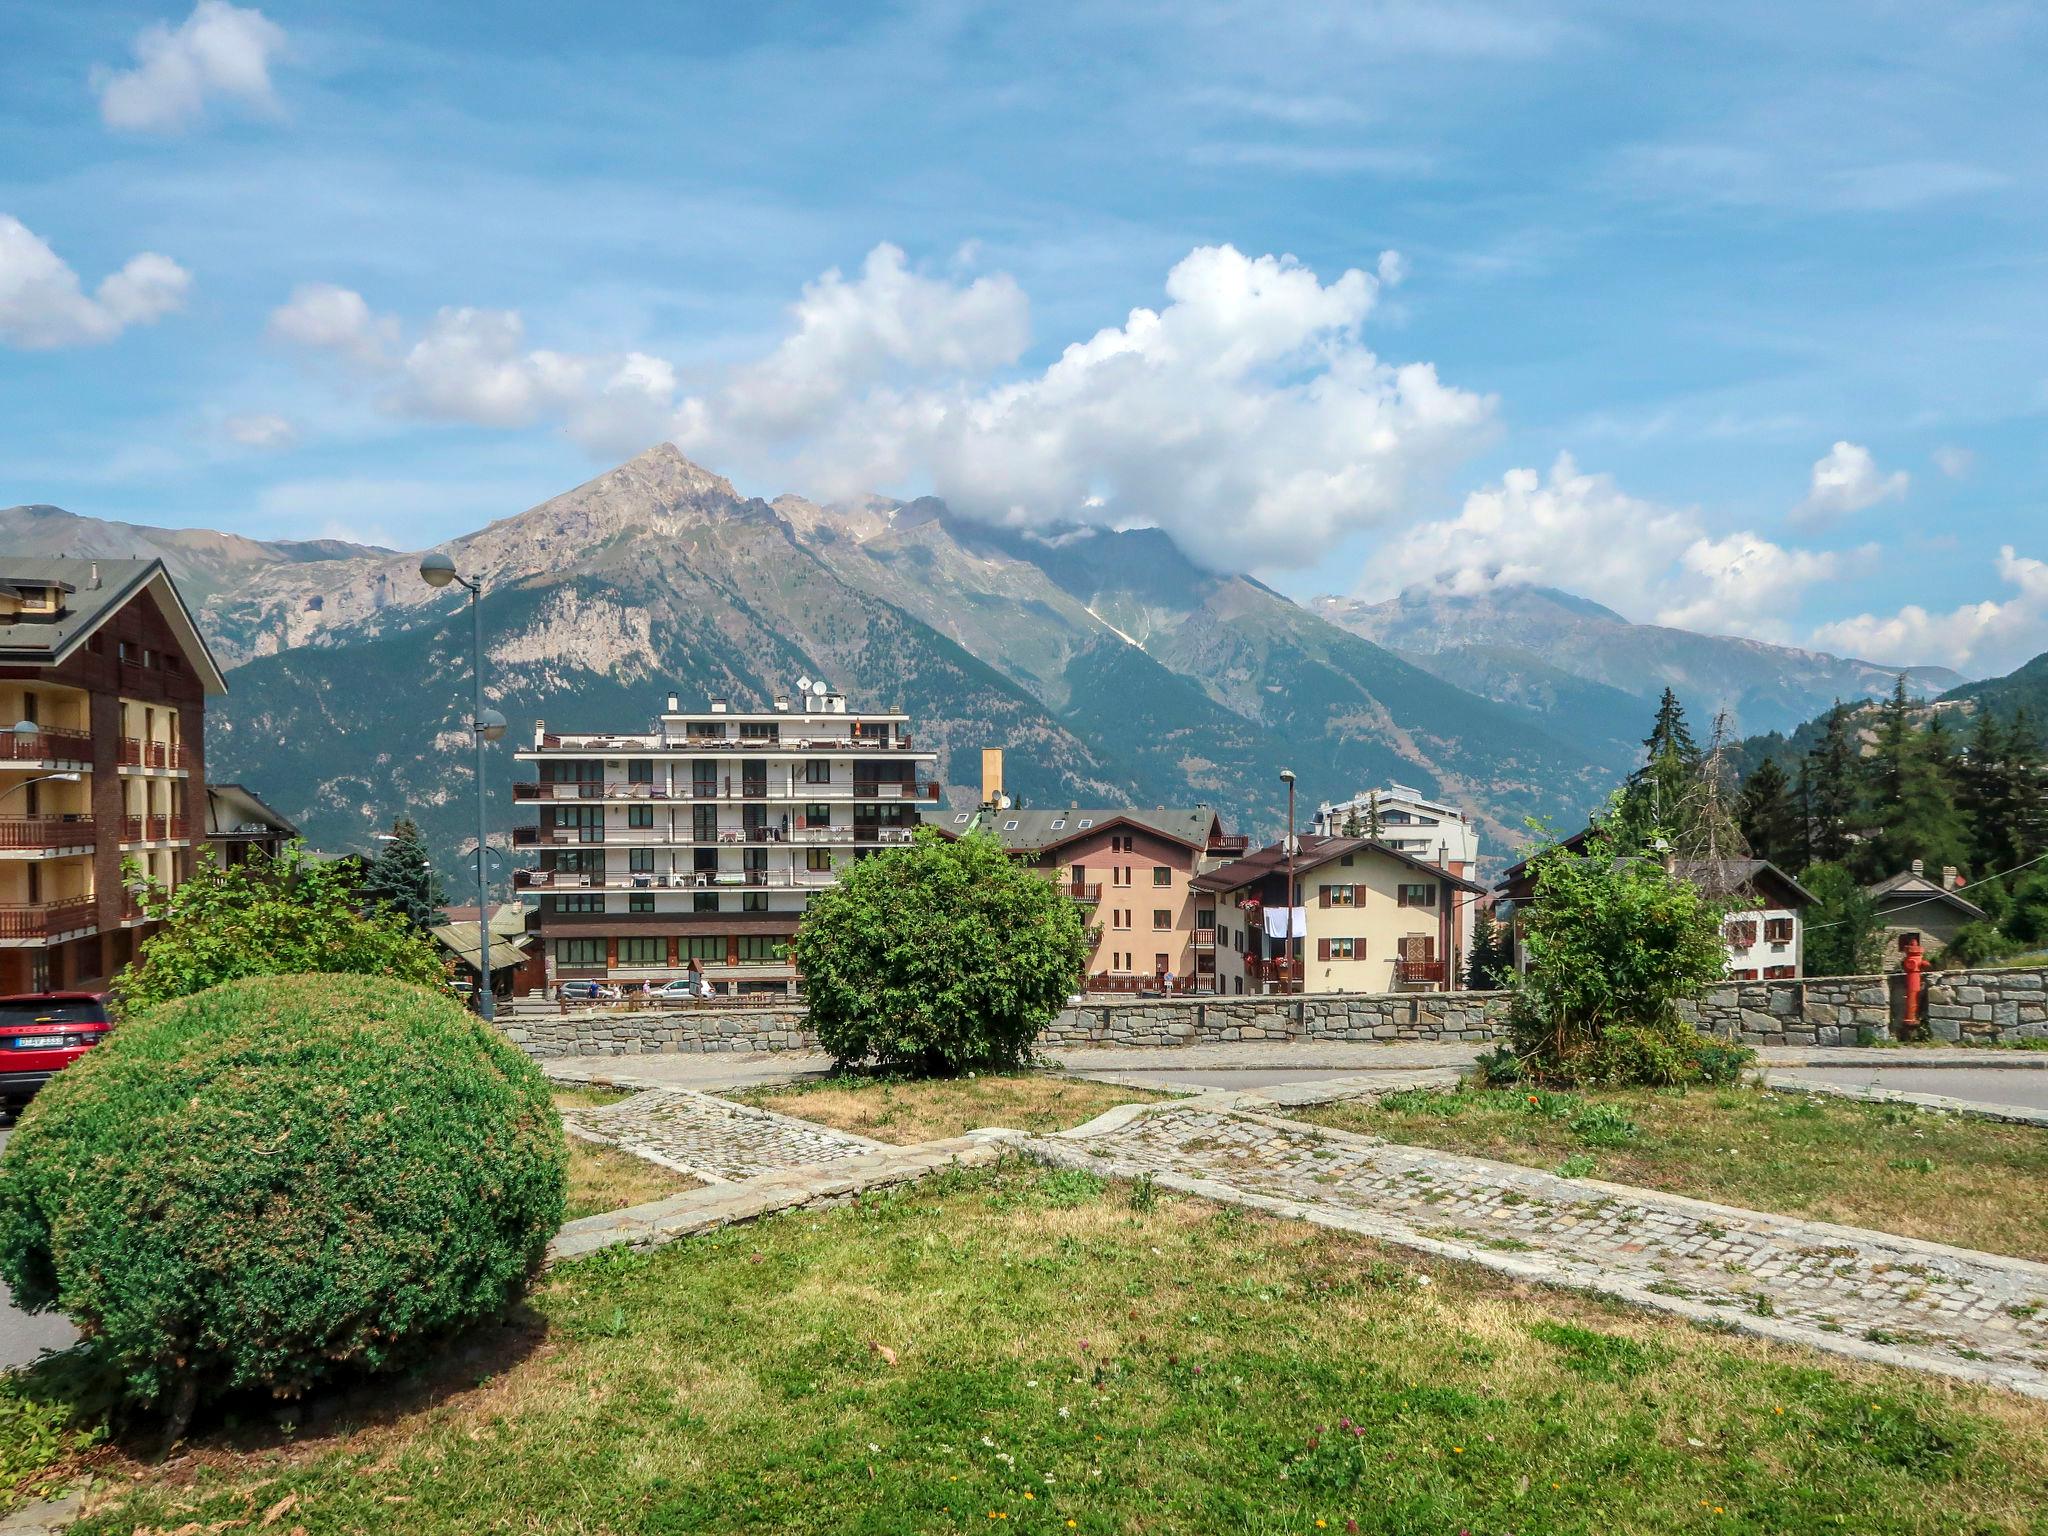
(1322, 949)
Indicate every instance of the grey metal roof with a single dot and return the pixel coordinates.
(36, 641)
(229, 807)
(1036, 831)
(1912, 890)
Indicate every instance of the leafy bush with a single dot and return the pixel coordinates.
(1615, 941)
(1499, 1067)
(280, 1179)
(288, 916)
(1678, 1056)
(942, 957)
(1976, 944)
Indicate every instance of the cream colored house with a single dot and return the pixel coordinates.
(1371, 919)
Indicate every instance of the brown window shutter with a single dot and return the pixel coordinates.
(1323, 899)
(1400, 895)
(1358, 949)
(1323, 946)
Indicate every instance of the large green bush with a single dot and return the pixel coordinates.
(279, 1179)
(939, 957)
(1615, 943)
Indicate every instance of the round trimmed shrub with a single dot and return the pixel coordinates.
(280, 1179)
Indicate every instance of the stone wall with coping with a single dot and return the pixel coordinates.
(1350, 1016)
(1970, 1007)
(608, 1032)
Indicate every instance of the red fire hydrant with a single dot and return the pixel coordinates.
(1912, 962)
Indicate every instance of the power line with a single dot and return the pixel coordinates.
(1926, 900)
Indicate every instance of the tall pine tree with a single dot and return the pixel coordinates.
(1653, 802)
(1912, 791)
(402, 878)
(1770, 817)
(1979, 793)
(1830, 789)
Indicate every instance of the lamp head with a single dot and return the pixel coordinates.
(490, 724)
(436, 569)
(1286, 775)
(26, 728)
(68, 776)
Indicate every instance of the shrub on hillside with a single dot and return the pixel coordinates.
(286, 916)
(280, 1179)
(940, 957)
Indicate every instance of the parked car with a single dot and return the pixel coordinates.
(587, 992)
(41, 1033)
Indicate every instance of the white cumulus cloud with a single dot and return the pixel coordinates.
(43, 303)
(260, 429)
(473, 365)
(219, 50)
(1582, 532)
(1989, 635)
(1247, 414)
(1845, 481)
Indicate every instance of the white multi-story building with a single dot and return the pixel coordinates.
(1424, 829)
(703, 837)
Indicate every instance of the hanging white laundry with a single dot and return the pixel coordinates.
(1277, 924)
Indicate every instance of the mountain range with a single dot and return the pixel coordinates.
(1106, 664)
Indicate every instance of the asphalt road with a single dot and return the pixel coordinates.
(1979, 1085)
(23, 1336)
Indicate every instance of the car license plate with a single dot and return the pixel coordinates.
(33, 1042)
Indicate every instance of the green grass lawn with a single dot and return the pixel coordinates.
(1027, 1351)
(1944, 1178)
(904, 1110)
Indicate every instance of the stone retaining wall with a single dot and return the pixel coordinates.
(1972, 1007)
(607, 1032)
(1351, 1016)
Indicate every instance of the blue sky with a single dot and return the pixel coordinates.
(1731, 319)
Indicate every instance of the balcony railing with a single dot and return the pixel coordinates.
(46, 746)
(658, 742)
(45, 831)
(155, 829)
(727, 789)
(1416, 973)
(1236, 843)
(1277, 971)
(45, 919)
(137, 753)
(726, 837)
(1205, 935)
(720, 880)
(1082, 890)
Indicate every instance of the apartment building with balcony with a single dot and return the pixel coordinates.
(101, 659)
(1370, 918)
(1434, 831)
(704, 836)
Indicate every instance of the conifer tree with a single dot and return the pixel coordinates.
(1657, 790)
(1979, 792)
(402, 878)
(1913, 794)
(1829, 789)
(1770, 818)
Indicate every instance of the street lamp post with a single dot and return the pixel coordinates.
(1287, 778)
(486, 725)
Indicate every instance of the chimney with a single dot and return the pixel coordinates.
(93, 581)
(675, 703)
(718, 706)
(1919, 867)
(991, 775)
(1950, 879)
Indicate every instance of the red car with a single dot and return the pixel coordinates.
(42, 1033)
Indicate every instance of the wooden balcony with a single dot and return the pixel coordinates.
(1084, 890)
(1418, 973)
(1233, 845)
(155, 829)
(727, 837)
(1279, 972)
(46, 919)
(699, 791)
(719, 880)
(137, 753)
(46, 746)
(46, 831)
(1205, 936)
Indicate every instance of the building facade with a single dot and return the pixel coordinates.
(1371, 918)
(1433, 831)
(703, 837)
(239, 824)
(1912, 904)
(104, 678)
(1134, 871)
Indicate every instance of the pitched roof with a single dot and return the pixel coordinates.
(1733, 877)
(1912, 890)
(231, 809)
(33, 641)
(1022, 831)
(461, 942)
(1314, 852)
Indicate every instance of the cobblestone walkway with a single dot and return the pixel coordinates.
(1836, 1288)
(711, 1138)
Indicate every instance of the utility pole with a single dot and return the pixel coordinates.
(1293, 894)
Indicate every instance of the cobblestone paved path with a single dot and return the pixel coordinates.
(709, 1137)
(1836, 1288)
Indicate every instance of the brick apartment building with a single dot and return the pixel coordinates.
(703, 837)
(101, 660)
